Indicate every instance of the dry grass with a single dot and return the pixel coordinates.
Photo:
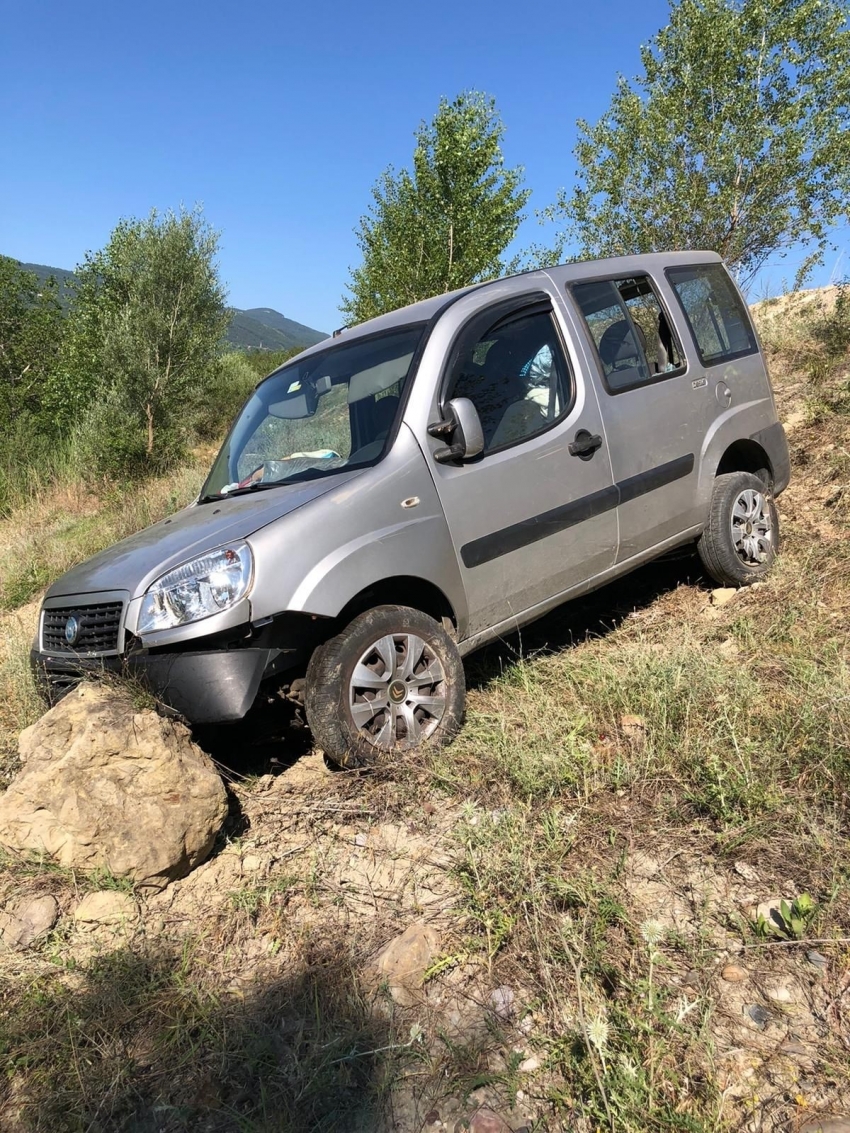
(651, 723)
(147, 1041)
(634, 773)
(63, 524)
(20, 703)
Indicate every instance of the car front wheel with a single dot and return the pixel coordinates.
(391, 682)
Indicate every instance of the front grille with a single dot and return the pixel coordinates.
(97, 633)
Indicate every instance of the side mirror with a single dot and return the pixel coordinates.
(463, 425)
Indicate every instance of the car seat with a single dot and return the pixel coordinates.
(383, 414)
(623, 354)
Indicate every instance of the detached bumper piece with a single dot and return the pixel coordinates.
(207, 687)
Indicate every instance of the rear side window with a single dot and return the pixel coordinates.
(633, 336)
(717, 317)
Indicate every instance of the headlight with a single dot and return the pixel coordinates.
(203, 586)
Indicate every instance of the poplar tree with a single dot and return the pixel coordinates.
(733, 138)
(444, 223)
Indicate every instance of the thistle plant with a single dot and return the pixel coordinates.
(597, 1032)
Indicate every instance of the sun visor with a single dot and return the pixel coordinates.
(378, 378)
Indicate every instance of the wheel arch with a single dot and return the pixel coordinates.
(746, 455)
(403, 590)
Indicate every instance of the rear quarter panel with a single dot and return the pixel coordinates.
(751, 410)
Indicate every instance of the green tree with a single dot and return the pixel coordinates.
(262, 362)
(446, 223)
(735, 137)
(146, 330)
(31, 326)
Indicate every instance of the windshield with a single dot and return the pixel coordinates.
(332, 411)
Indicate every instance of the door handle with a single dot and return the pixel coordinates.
(585, 444)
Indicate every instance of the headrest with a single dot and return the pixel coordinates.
(617, 344)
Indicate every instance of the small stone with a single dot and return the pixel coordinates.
(771, 912)
(734, 974)
(818, 960)
(30, 919)
(251, 863)
(728, 648)
(502, 1002)
(359, 839)
(432, 1117)
(486, 1121)
(780, 994)
(632, 726)
(793, 1046)
(759, 1015)
(529, 1065)
(402, 963)
(106, 906)
(723, 595)
(826, 1125)
(745, 870)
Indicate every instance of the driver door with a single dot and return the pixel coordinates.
(529, 518)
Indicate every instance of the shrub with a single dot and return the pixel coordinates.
(231, 381)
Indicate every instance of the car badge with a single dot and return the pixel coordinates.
(72, 631)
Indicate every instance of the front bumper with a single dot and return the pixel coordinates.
(206, 687)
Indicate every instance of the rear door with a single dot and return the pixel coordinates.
(656, 407)
(528, 518)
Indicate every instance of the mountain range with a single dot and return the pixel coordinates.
(263, 328)
(259, 328)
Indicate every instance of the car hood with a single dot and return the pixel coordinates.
(134, 563)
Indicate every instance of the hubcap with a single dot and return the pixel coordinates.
(397, 692)
(752, 528)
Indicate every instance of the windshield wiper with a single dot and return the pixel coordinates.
(261, 485)
(258, 487)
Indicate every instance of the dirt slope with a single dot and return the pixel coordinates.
(578, 879)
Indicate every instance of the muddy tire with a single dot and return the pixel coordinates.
(386, 686)
(741, 538)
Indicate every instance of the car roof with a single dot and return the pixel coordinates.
(425, 310)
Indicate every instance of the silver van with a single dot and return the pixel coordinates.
(420, 484)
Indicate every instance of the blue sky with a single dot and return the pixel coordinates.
(278, 118)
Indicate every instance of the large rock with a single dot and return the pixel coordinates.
(106, 786)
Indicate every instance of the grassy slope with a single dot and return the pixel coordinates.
(634, 774)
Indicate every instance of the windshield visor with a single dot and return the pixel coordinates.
(335, 410)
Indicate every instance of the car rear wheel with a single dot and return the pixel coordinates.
(389, 684)
(741, 539)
